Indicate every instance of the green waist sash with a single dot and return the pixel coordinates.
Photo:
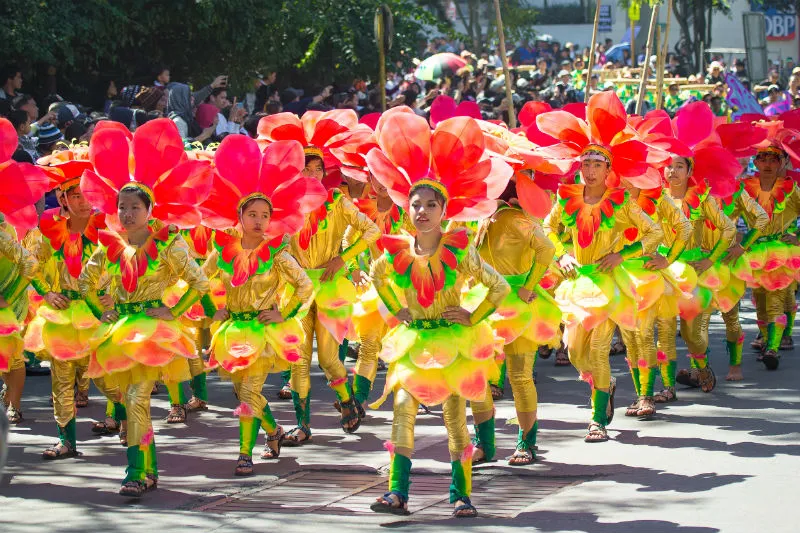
(75, 295)
(245, 315)
(132, 308)
(430, 323)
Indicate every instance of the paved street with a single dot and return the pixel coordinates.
(725, 461)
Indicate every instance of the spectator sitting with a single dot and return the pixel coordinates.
(162, 77)
(26, 144)
(11, 78)
(28, 104)
(773, 78)
(715, 74)
(716, 106)
(180, 109)
(673, 100)
(773, 96)
(49, 136)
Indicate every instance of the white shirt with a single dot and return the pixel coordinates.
(224, 126)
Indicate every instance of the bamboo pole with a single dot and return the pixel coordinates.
(592, 51)
(633, 44)
(664, 50)
(512, 113)
(648, 52)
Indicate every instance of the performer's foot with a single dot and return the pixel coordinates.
(771, 359)
(647, 407)
(392, 503)
(522, 457)
(687, 377)
(350, 419)
(734, 373)
(463, 508)
(285, 393)
(59, 450)
(758, 343)
(497, 392)
(597, 433)
(14, 415)
(633, 409)
(109, 426)
(81, 399)
(618, 348)
(176, 415)
(423, 410)
(706, 379)
(196, 404)
(666, 396)
(272, 450)
(297, 436)
(562, 357)
(545, 352)
(244, 466)
(787, 343)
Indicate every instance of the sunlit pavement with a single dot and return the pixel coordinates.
(725, 461)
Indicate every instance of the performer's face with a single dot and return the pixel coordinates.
(378, 187)
(594, 173)
(768, 164)
(677, 173)
(132, 211)
(426, 210)
(76, 203)
(314, 169)
(255, 217)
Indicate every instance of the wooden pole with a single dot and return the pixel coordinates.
(664, 50)
(512, 113)
(648, 52)
(592, 52)
(380, 37)
(633, 44)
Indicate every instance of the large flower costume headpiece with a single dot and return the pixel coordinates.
(22, 184)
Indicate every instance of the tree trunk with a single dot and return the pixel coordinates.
(682, 13)
(699, 21)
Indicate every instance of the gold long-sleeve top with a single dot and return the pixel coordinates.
(513, 243)
(781, 203)
(263, 291)
(709, 211)
(676, 227)
(17, 266)
(174, 262)
(326, 243)
(471, 267)
(742, 205)
(607, 241)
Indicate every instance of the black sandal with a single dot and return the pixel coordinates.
(269, 453)
(176, 415)
(54, 452)
(362, 414)
(352, 406)
(771, 359)
(787, 343)
(467, 506)
(385, 505)
(109, 426)
(562, 357)
(244, 466)
(544, 352)
(497, 392)
(292, 438)
(285, 393)
(123, 438)
(524, 453)
(687, 377)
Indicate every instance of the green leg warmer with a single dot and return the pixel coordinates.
(361, 388)
(343, 350)
(286, 375)
(177, 393)
(647, 380)
(668, 371)
(248, 434)
(501, 380)
(268, 421)
(790, 316)
(734, 350)
(460, 480)
(599, 406)
(400, 474)
(774, 335)
(635, 375)
(199, 388)
(67, 434)
(528, 442)
(136, 464)
(119, 412)
(302, 409)
(485, 438)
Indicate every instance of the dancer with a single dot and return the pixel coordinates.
(440, 353)
(257, 336)
(140, 340)
(318, 249)
(596, 212)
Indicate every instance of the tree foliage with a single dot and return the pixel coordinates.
(310, 42)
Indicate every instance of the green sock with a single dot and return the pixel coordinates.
(343, 350)
(286, 375)
(528, 442)
(599, 406)
(460, 480)
(120, 414)
(635, 375)
(699, 361)
(151, 459)
(177, 393)
(67, 434)
(668, 371)
(400, 474)
(484, 435)
(199, 388)
(302, 409)
(136, 464)
(734, 350)
(789, 323)
(267, 420)
(361, 388)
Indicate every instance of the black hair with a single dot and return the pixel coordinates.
(438, 196)
(75, 130)
(216, 92)
(5, 107)
(311, 157)
(21, 100)
(9, 72)
(159, 69)
(510, 191)
(132, 189)
(251, 124)
(18, 117)
(273, 108)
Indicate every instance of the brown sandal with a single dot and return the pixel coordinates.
(196, 404)
(14, 415)
(497, 392)
(176, 415)
(597, 433)
(666, 396)
(647, 407)
(244, 466)
(706, 379)
(633, 409)
(562, 357)
(81, 399)
(278, 437)
(285, 393)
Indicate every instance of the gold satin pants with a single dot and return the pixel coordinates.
(367, 363)
(248, 390)
(641, 343)
(770, 304)
(64, 375)
(327, 354)
(667, 334)
(733, 329)
(589, 351)
(519, 369)
(455, 421)
(695, 333)
(137, 405)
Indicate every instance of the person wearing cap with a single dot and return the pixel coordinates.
(577, 74)
(49, 136)
(773, 78)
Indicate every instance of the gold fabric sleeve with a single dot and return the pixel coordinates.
(179, 259)
(553, 229)
(380, 280)
(675, 226)
(472, 265)
(725, 226)
(544, 251)
(650, 233)
(291, 271)
(368, 230)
